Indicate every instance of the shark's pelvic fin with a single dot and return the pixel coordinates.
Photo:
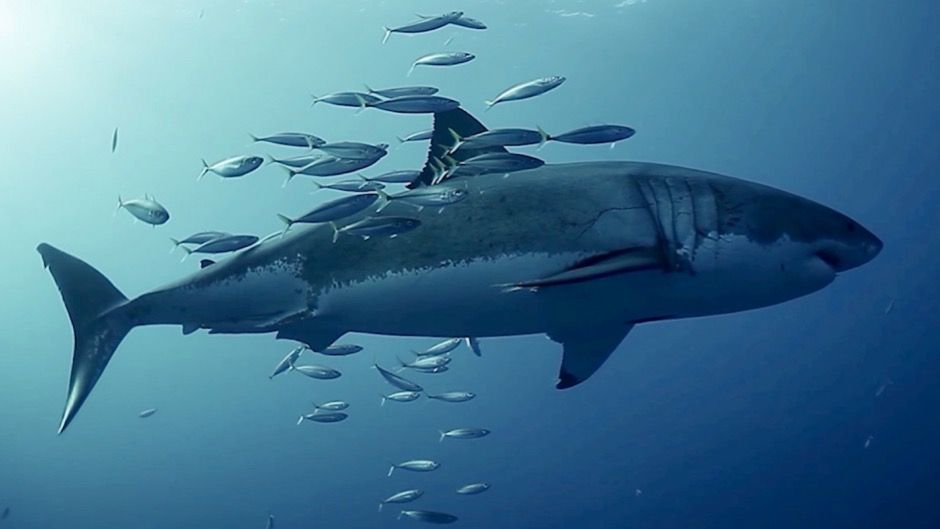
(598, 267)
(312, 332)
(585, 350)
(98, 326)
(446, 125)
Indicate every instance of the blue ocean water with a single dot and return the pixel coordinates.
(820, 412)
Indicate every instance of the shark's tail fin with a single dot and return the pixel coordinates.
(98, 327)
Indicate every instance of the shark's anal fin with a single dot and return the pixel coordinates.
(598, 267)
(315, 334)
(585, 350)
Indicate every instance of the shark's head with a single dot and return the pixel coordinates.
(772, 217)
(749, 245)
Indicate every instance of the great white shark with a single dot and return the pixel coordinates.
(580, 251)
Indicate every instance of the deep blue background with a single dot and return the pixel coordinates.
(751, 420)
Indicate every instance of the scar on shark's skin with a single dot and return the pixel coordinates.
(593, 246)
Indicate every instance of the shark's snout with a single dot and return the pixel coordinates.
(856, 247)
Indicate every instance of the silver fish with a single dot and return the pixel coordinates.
(416, 104)
(426, 362)
(394, 177)
(465, 433)
(147, 413)
(351, 150)
(351, 186)
(474, 345)
(499, 138)
(331, 166)
(346, 99)
(429, 516)
(199, 238)
(145, 209)
(270, 522)
(397, 381)
(288, 361)
(333, 210)
(323, 417)
(290, 139)
(377, 227)
(441, 348)
(421, 135)
(341, 350)
(333, 405)
(401, 396)
(502, 162)
(526, 90)
(453, 396)
(401, 91)
(228, 243)
(433, 196)
(474, 488)
(404, 496)
(463, 21)
(593, 135)
(447, 58)
(415, 465)
(467, 22)
(317, 372)
(424, 25)
(432, 370)
(298, 161)
(114, 140)
(233, 167)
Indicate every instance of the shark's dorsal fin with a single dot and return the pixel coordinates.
(585, 350)
(463, 124)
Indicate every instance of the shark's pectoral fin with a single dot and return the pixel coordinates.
(598, 267)
(585, 350)
(314, 333)
(206, 263)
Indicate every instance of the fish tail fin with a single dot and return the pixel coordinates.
(443, 435)
(457, 141)
(98, 325)
(400, 139)
(390, 470)
(362, 103)
(380, 506)
(300, 420)
(253, 137)
(288, 222)
(205, 169)
(363, 177)
(385, 198)
(489, 105)
(368, 88)
(335, 229)
(388, 33)
(383, 400)
(176, 244)
(119, 206)
(316, 99)
(545, 137)
(290, 176)
(411, 70)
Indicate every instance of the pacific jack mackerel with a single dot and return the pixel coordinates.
(580, 251)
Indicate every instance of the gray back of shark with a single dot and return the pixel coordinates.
(581, 252)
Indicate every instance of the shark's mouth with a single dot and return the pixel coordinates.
(832, 259)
